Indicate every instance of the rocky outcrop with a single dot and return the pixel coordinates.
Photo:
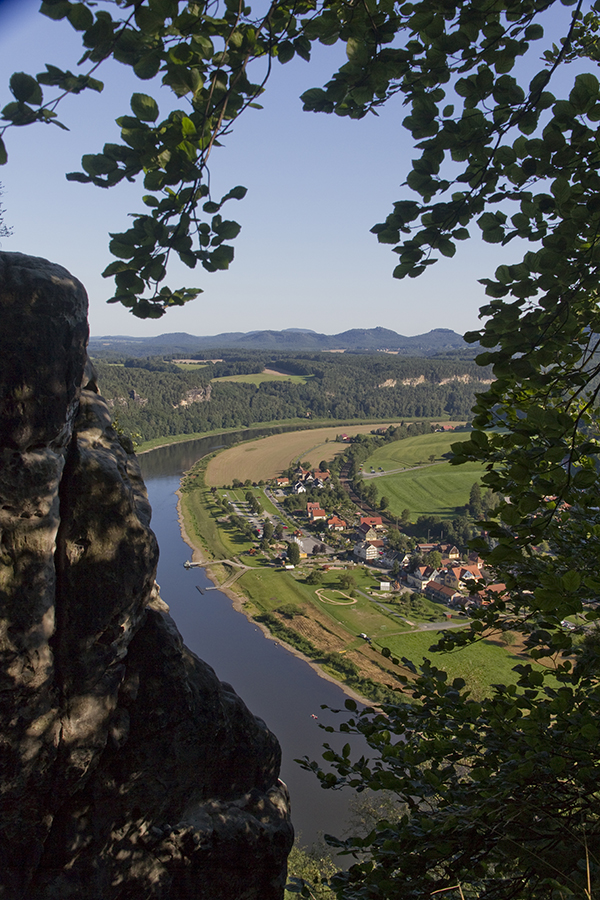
(127, 769)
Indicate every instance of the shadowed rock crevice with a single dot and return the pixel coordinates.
(128, 770)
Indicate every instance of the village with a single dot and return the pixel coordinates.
(437, 570)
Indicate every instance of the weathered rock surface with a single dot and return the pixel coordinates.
(127, 769)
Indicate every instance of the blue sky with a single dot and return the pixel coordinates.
(316, 185)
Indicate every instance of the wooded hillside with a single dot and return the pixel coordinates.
(154, 397)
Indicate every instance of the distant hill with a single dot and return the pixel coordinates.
(439, 342)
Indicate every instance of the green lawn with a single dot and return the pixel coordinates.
(480, 664)
(271, 588)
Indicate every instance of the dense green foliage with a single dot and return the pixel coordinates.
(154, 398)
(501, 796)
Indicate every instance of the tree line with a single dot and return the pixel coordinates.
(154, 398)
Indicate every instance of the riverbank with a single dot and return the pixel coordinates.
(283, 425)
(238, 600)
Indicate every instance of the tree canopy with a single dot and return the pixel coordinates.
(497, 798)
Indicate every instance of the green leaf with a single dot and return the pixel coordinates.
(148, 65)
(447, 248)
(3, 153)
(55, 10)
(585, 478)
(571, 580)
(80, 17)
(285, 51)
(187, 126)
(113, 268)
(123, 251)
(227, 230)
(584, 93)
(97, 164)
(144, 107)
(25, 88)
(236, 193)
(19, 113)
(165, 8)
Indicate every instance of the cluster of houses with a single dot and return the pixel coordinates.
(449, 582)
(304, 479)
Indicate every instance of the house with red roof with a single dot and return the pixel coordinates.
(334, 523)
(372, 521)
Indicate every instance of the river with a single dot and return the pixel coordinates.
(276, 685)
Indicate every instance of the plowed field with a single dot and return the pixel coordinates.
(268, 457)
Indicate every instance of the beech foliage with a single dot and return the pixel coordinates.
(496, 798)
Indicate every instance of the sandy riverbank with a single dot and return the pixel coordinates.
(238, 600)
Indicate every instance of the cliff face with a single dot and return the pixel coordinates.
(127, 769)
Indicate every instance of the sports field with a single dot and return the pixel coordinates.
(268, 457)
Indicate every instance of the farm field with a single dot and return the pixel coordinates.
(259, 377)
(267, 457)
(189, 366)
(436, 489)
(414, 451)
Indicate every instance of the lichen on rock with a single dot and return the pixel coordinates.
(128, 770)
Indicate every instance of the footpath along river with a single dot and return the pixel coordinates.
(276, 685)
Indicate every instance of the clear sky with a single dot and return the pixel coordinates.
(316, 185)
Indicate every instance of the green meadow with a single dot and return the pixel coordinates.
(189, 367)
(435, 489)
(263, 376)
(414, 451)
(481, 664)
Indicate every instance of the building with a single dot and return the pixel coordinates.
(365, 551)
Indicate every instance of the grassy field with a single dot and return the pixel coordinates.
(189, 367)
(435, 489)
(269, 456)
(264, 376)
(414, 450)
(480, 664)
(431, 491)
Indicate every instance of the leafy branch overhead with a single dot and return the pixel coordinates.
(202, 52)
(501, 795)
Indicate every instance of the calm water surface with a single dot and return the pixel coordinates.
(277, 686)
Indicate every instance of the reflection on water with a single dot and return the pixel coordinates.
(277, 686)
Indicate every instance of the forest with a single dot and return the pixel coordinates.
(153, 397)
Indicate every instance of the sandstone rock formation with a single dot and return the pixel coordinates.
(128, 771)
